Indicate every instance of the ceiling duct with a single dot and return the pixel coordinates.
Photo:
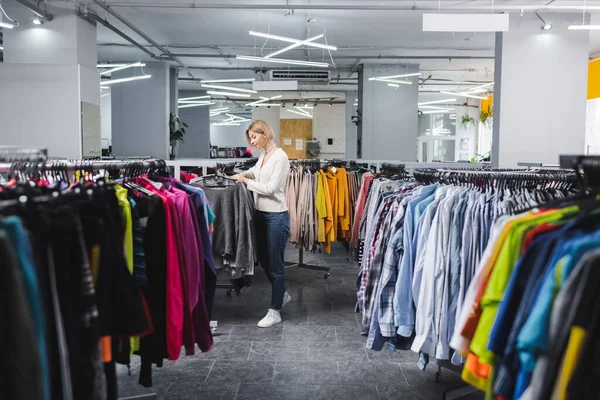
(302, 76)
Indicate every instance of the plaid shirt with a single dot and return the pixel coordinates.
(393, 255)
(374, 264)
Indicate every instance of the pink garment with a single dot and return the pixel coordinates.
(360, 206)
(174, 292)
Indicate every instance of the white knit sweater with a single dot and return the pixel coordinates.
(268, 182)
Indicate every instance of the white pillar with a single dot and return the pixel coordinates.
(540, 94)
(51, 68)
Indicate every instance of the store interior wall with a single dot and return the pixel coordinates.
(106, 119)
(196, 142)
(389, 115)
(351, 127)
(140, 114)
(229, 136)
(540, 95)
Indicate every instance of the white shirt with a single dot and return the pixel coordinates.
(269, 182)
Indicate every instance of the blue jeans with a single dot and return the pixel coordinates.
(272, 234)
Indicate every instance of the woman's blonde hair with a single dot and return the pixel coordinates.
(260, 126)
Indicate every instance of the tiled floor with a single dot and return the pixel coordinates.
(316, 353)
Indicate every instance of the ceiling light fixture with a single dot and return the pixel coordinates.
(214, 93)
(241, 80)
(37, 20)
(293, 46)
(121, 67)
(193, 98)
(545, 26)
(131, 78)
(194, 101)
(446, 111)
(104, 87)
(394, 85)
(263, 99)
(226, 124)
(195, 105)
(434, 107)
(479, 87)
(436, 102)
(291, 40)
(379, 78)
(463, 94)
(584, 27)
(267, 105)
(300, 113)
(7, 25)
(236, 89)
(109, 65)
(1, 48)
(284, 61)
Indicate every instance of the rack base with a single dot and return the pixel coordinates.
(303, 265)
(454, 393)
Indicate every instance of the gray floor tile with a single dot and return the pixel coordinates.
(369, 373)
(202, 391)
(132, 388)
(399, 391)
(303, 334)
(228, 350)
(332, 320)
(306, 372)
(334, 351)
(398, 356)
(242, 371)
(250, 391)
(279, 351)
(350, 334)
(342, 392)
(256, 334)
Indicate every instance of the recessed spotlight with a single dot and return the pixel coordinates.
(547, 27)
(37, 21)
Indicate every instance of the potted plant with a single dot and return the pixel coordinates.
(176, 133)
(485, 116)
(466, 120)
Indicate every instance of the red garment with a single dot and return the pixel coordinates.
(187, 177)
(367, 179)
(175, 293)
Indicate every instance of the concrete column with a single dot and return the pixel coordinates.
(140, 113)
(173, 89)
(196, 143)
(53, 67)
(272, 117)
(540, 94)
(351, 128)
(389, 115)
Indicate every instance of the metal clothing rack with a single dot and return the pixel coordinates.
(82, 165)
(301, 264)
(454, 393)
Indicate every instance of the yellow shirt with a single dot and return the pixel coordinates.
(576, 340)
(125, 209)
(333, 195)
(321, 209)
(329, 219)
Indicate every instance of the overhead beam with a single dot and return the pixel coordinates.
(118, 16)
(354, 57)
(423, 5)
(35, 9)
(93, 18)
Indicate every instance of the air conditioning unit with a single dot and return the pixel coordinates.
(301, 76)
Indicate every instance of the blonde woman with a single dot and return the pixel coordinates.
(272, 222)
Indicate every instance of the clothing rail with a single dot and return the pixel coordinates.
(80, 165)
(16, 153)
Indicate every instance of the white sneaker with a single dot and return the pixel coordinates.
(286, 299)
(273, 318)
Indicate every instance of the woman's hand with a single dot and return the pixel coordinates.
(239, 177)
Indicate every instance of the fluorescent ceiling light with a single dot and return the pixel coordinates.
(436, 111)
(394, 85)
(193, 98)
(220, 109)
(300, 113)
(226, 124)
(195, 105)
(479, 87)
(104, 87)
(379, 78)
(284, 61)
(37, 21)
(6, 25)
(462, 94)
(436, 102)
(293, 46)
(109, 65)
(291, 40)
(228, 80)
(1, 48)
(267, 105)
(547, 27)
(434, 107)
(306, 106)
(131, 78)
(115, 69)
(236, 89)
(194, 101)
(584, 27)
(213, 93)
(263, 99)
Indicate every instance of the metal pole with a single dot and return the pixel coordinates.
(34, 8)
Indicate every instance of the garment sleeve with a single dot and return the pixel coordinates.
(279, 173)
(251, 173)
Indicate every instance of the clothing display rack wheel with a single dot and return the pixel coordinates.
(303, 265)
